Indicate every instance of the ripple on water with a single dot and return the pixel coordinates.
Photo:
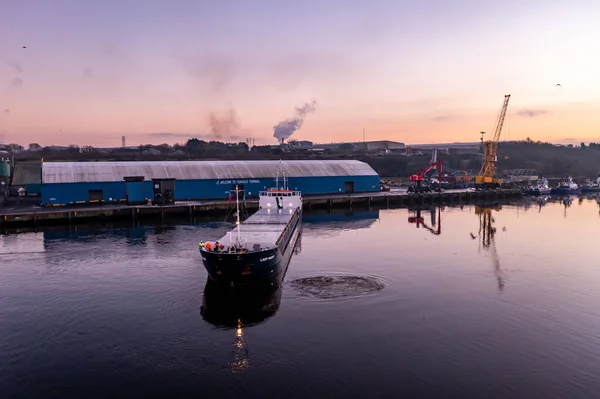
(332, 287)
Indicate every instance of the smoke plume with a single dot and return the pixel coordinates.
(88, 72)
(286, 128)
(223, 125)
(16, 82)
(15, 65)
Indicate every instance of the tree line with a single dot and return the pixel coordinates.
(548, 159)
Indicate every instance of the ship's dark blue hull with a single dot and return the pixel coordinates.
(538, 191)
(590, 189)
(233, 269)
(242, 268)
(563, 191)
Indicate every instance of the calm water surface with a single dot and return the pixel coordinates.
(405, 312)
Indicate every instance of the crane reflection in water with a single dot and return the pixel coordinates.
(243, 307)
(436, 219)
(487, 232)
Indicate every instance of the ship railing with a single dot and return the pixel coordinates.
(280, 193)
(234, 241)
(287, 227)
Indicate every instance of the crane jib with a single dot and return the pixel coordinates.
(488, 167)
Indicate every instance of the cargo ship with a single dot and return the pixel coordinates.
(259, 248)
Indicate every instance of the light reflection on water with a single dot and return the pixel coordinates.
(475, 302)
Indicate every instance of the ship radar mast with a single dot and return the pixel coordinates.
(280, 170)
(237, 214)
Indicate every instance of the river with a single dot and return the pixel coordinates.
(376, 303)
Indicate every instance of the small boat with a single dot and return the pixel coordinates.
(566, 187)
(540, 188)
(258, 249)
(590, 187)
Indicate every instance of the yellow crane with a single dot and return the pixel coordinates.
(486, 178)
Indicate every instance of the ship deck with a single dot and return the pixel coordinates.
(263, 228)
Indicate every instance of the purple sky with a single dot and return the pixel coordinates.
(425, 71)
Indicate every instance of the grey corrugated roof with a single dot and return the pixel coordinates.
(81, 172)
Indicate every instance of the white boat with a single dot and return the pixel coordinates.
(567, 186)
(590, 187)
(540, 188)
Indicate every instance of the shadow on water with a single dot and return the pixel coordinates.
(225, 309)
(350, 219)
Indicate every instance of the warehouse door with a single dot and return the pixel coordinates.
(349, 187)
(95, 195)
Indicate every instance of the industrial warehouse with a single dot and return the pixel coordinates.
(65, 183)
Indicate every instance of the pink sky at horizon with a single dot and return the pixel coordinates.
(435, 71)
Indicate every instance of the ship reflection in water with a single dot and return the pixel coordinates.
(243, 307)
(237, 310)
(226, 309)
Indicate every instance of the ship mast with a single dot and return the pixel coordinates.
(277, 176)
(281, 171)
(237, 213)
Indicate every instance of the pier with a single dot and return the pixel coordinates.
(34, 216)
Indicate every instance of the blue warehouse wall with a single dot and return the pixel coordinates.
(66, 193)
(333, 184)
(213, 188)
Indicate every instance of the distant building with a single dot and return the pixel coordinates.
(380, 145)
(304, 144)
(463, 148)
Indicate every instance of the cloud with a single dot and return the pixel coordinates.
(289, 70)
(220, 71)
(88, 72)
(199, 136)
(16, 82)
(217, 70)
(175, 135)
(15, 65)
(531, 113)
(443, 118)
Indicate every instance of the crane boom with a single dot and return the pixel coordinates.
(488, 168)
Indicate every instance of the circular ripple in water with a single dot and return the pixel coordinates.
(329, 287)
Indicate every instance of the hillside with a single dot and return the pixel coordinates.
(548, 159)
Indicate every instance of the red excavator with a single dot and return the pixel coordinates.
(417, 180)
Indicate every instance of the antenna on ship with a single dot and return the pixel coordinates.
(237, 214)
(282, 171)
(283, 174)
(277, 177)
